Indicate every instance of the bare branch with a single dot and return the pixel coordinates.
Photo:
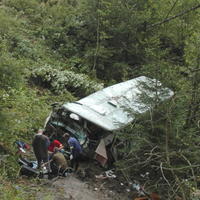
(178, 168)
(161, 169)
(193, 174)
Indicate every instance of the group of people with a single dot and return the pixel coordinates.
(48, 152)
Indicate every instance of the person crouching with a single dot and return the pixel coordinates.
(59, 164)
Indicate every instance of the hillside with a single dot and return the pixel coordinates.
(63, 50)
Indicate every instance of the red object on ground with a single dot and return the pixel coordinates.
(26, 146)
(153, 196)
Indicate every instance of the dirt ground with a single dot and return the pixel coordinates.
(74, 189)
(82, 186)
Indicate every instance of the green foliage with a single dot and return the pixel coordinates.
(23, 112)
(59, 29)
(157, 144)
(25, 48)
(112, 40)
(10, 190)
(8, 24)
(10, 193)
(192, 54)
(62, 81)
(23, 7)
(10, 71)
(26, 110)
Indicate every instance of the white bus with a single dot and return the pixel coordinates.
(94, 119)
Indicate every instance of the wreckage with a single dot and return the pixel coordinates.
(94, 119)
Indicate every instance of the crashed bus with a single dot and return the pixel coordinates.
(93, 120)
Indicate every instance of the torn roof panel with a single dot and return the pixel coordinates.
(108, 108)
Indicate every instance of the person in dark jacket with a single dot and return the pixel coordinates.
(76, 150)
(40, 147)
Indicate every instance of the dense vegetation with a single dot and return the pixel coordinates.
(61, 50)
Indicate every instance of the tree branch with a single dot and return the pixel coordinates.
(178, 168)
(173, 6)
(175, 16)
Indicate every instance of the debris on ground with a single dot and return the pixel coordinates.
(196, 194)
(140, 190)
(106, 174)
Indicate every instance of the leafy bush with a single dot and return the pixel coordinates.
(25, 7)
(9, 70)
(61, 81)
(8, 24)
(25, 48)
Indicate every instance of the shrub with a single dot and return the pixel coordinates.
(26, 7)
(61, 81)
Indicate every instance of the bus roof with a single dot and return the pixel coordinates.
(113, 107)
